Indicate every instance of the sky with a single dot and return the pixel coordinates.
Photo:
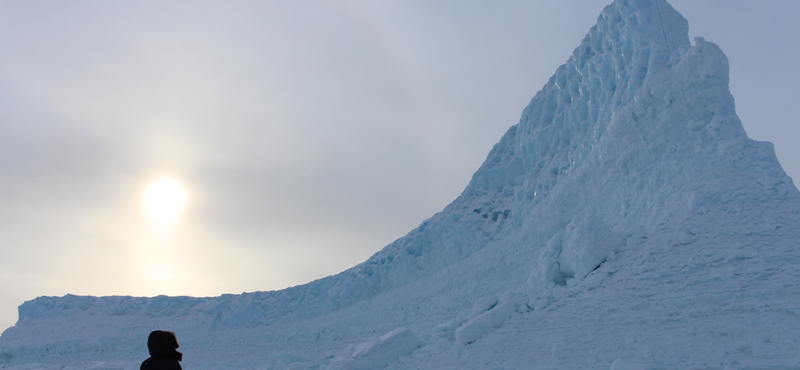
(306, 135)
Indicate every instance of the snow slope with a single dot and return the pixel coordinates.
(626, 222)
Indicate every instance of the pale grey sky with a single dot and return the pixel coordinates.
(308, 134)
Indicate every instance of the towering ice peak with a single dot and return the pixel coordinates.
(636, 124)
(632, 41)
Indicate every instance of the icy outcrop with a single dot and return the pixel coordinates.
(629, 168)
(378, 352)
(582, 247)
(485, 320)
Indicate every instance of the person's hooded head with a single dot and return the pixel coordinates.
(162, 343)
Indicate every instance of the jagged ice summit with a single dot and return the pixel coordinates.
(626, 222)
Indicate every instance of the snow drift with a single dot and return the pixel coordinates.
(625, 222)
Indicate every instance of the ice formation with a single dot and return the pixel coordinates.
(626, 222)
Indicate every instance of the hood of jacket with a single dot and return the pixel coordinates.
(162, 343)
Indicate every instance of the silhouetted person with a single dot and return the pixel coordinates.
(163, 355)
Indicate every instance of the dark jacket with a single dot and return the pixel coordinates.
(163, 356)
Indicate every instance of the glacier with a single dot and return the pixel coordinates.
(626, 222)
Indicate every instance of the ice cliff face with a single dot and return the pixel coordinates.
(631, 152)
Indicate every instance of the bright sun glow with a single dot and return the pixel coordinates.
(164, 200)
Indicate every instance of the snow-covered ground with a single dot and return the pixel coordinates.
(626, 222)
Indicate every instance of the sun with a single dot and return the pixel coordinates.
(163, 200)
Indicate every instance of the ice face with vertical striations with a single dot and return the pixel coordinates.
(626, 222)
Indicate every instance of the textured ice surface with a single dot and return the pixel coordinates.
(378, 352)
(625, 222)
